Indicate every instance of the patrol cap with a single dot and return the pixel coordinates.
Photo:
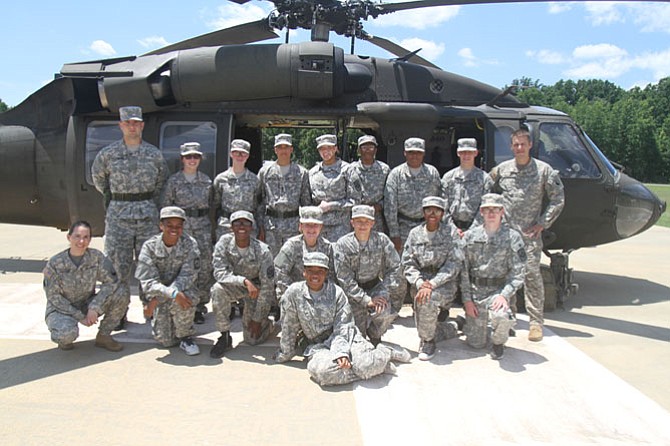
(315, 259)
(311, 214)
(363, 211)
(130, 113)
(432, 201)
(172, 212)
(367, 139)
(326, 140)
(491, 201)
(415, 145)
(240, 145)
(283, 138)
(237, 215)
(190, 148)
(467, 144)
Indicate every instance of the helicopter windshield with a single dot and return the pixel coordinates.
(559, 145)
(602, 156)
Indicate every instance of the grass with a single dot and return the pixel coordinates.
(663, 192)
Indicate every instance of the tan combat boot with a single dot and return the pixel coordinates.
(535, 333)
(107, 342)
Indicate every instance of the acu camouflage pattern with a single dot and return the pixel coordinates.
(233, 193)
(500, 257)
(193, 195)
(463, 192)
(161, 273)
(403, 195)
(366, 186)
(330, 183)
(283, 194)
(70, 293)
(327, 324)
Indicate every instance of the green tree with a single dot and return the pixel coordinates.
(3, 106)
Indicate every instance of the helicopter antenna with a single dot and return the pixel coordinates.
(511, 89)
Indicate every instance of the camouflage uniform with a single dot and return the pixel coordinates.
(281, 196)
(195, 198)
(329, 183)
(231, 267)
(162, 273)
(366, 186)
(366, 271)
(326, 328)
(494, 265)
(288, 263)
(403, 195)
(523, 189)
(463, 192)
(70, 292)
(236, 193)
(438, 258)
(122, 174)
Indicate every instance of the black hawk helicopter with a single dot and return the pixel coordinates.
(215, 87)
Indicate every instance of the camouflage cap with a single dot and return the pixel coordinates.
(491, 201)
(172, 212)
(283, 138)
(415, 145)
(130, 113)
(467, 144)
(432, 201)
(364, 211)
(190, 148)
(311, 214)
(237, 215)
(315, 259)
(240, 145)
(367, 139)
(326, 140)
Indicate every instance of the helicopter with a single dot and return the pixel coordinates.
(216, 87)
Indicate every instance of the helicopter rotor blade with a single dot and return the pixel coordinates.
(235, 35)
(401, 6)
(398, 50)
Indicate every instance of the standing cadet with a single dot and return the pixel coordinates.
(317, 323)
(236, 189)
(328, 182)
(130, 173)
(367, 178)
(288, 263)
(493, 272)
(463, 186)
(432, 259)
(406, 186)
(168, 271)
(367, 267)
(191, 190)
(284, 188)
(70, 278)
(526, 184)
(243, 270)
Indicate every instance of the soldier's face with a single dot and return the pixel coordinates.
(328, 153)
(283, 152)
(521, 148)
(172, 229)
(239, 156)
(367, 152)
(362, 225)
(432, 215)
(315, 276)
(310, 232)
(467, 157)
(414, 158)
(492, 214)
(79, 239)
(242, 228)
(131, 129)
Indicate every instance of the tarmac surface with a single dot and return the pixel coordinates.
(600, 376)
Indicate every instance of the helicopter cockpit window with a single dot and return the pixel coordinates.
(98, 135)
(175, 133)
(502, 140)
(560, 146)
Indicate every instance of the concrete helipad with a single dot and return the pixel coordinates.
(599, 377)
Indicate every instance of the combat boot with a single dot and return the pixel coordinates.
(535, 333)
(427, 350)
(224, 342)
(65, 345)
(497, 351)
(108, 343)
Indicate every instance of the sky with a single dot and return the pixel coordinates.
(627, 43)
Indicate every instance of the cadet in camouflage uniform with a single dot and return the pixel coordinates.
(406, 186)
(317, 323)
(236, 189)
(463, 186)
(367, 267)
(367, 178)
(329, 185)
(130, 173)
(284, 188)
(243, 270)
(288, 263)
(494, 267)
(432, 259)
(70, 278)
(168, 270)
(191, 190)
(533, 196)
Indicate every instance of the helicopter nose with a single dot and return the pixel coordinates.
(638, 208)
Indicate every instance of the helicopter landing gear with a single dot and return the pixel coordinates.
(557, 278)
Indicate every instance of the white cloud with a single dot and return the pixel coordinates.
(470, 60)
(153, 42)
(547, 57)
(557, 8)
(614, 62)
(232, 14)
(652, 17)
(103, 48)
(429, 50)
(421, 18)
(604, 13)
(599, 51)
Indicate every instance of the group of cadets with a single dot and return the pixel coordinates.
(313, 244)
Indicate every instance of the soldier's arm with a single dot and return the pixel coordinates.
(168, 194)
(410, 264)
(223, 268)
(290, 326)
(452, 266)
(392, 267)
(346, 276)
(99, 173)
(517, 266)
(343, 327)
(354, 186)
(53, 288)
(391, 205)
(283, 263)
(267, 291)
(149, 277)
(109, 282)
(161, 178)
(556, 199)
(188, 273)
(305, 190)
